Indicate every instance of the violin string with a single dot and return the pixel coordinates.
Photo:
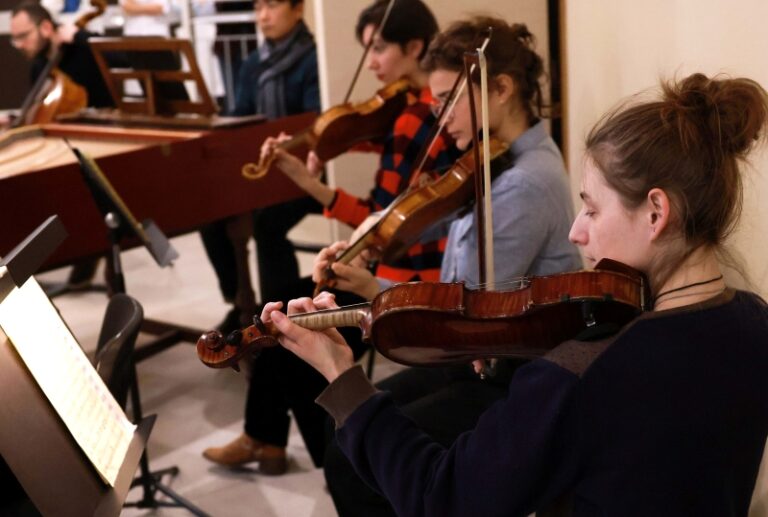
(516, 284)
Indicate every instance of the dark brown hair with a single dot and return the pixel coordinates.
(510, 51)
(36, 12)
(689, 144)
(409, 20)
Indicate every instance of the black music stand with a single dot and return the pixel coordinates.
(121, 224)
(34, 442)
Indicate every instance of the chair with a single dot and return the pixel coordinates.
(115, 365)
(117, 340)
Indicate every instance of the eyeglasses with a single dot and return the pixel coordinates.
(436, 106)
(17, 39)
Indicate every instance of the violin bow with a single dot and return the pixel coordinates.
(483, 201)
(483, 207)
(368, 46)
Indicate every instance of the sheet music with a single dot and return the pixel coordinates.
(67, 378)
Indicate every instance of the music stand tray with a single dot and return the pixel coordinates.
(40, 450)
(168, 72)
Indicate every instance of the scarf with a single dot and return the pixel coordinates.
(276, 59)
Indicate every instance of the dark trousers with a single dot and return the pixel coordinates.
(276, 258)
(444, 402)
(280, 382)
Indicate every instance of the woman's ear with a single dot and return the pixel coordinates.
(659, 212)
(413, 48)
(504, 87)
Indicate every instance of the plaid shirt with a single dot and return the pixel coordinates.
(399, 151)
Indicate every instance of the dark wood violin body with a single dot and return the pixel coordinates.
(338, 129)
(414, 211)
(430, 324)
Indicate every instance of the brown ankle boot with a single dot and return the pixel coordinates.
(244, 449)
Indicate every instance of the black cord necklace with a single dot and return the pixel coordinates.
(695, 284)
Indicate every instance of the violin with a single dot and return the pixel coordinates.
(414, 211)
(54, 92)
(338, 129)
(432, 324)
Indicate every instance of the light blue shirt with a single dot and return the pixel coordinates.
(532, 215)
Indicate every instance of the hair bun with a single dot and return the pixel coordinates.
(726, 114)
(522, 34)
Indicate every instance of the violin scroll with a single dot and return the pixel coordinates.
(339, 128)
(216, 351)
(256, 171)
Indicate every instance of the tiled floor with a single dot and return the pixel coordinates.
(198, 407)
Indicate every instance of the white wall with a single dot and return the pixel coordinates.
(618, 47)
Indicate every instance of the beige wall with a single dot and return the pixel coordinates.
(618, 47)
(339, 52)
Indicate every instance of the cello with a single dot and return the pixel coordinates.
(54, 92)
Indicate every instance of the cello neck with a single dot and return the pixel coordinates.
(33, 97)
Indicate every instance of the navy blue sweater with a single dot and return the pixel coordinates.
(668, 417)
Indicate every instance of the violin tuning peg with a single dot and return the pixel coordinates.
(234, 338)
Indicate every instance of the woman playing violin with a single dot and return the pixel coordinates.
(532, 212)
(396, 50)
(667, 417)
(280, 381)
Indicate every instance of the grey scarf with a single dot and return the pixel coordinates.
(276, 59)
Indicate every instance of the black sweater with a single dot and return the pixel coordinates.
(669, 417)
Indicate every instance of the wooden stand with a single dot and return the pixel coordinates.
(157, 64)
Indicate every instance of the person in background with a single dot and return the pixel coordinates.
(147, 17)
(279, 79)
(667, 417)
(38, 37)
(35, 34)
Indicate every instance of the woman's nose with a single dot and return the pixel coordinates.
(577, 235)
